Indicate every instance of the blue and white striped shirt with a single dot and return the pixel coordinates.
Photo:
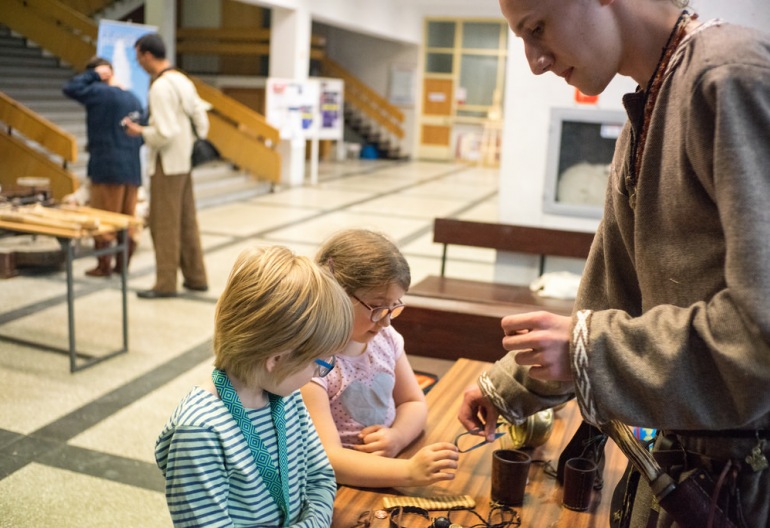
(212, 479)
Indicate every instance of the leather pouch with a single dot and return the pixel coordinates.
(588, 442)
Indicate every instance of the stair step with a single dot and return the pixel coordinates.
(34, 94)
(43, 107)
(9, 41)
(29, 72)
(12, 51)
(32, 61)
(26, 83)
(230, 186)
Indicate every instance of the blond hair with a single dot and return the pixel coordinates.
(364, 260)
(274, 302)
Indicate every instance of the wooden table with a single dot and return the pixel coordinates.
(69, 237)
(542, 502)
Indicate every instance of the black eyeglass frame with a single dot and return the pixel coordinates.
(392, 312)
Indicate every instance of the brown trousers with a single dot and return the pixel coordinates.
(174, 230)
(116, 198)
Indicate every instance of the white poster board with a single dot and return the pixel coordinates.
(331, 118)
(306, 110)
(291, 106)
(116, 44)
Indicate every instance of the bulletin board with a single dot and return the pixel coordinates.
(309, 109)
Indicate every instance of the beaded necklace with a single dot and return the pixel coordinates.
(655, 83)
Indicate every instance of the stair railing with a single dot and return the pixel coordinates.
(56, 27)
(367, 101)
(242, 135)
(19, 159)
(88, 7)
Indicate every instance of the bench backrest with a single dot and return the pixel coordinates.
(507, 237)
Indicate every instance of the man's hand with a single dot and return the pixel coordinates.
(477, 412)
(543, 341)
(132, 129)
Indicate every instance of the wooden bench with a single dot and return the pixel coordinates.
(451, 318)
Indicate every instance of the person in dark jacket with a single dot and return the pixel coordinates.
(113, 165)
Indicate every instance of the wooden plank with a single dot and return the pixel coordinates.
(507, 237)
(488, 293)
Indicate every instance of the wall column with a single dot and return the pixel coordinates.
(290, 59)
(162, 14)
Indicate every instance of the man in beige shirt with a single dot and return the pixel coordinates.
(174, 109)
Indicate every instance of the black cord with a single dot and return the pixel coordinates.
(512, 519)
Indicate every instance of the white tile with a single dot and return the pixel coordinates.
(244, 219)
(133, 431)
(320, 198)
(37, 496)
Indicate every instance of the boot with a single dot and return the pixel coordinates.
(119, 256)
(103, 263)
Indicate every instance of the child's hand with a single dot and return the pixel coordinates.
(380, 440)
(433, 463)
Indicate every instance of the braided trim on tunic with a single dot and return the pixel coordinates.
(580, 366)
(488, 388)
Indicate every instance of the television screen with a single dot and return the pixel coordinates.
(581, 143)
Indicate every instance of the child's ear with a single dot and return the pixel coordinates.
(272, 362)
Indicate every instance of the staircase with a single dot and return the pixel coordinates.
(35, 79)
(364, 130)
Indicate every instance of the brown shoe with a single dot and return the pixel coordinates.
(99, 271)
(193, 287)
(103, 267)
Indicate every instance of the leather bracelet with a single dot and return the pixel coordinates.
(438, 522)
(396, 513)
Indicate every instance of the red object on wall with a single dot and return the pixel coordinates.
(582, 98)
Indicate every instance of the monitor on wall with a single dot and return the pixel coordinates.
(581, 142)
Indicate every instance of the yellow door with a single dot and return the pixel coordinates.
(436, 122)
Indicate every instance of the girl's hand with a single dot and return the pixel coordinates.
(433, 463)
(380, 440)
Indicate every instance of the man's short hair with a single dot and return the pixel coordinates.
(98, 61)
(151, 43)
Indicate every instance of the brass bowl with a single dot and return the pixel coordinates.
(533, 432)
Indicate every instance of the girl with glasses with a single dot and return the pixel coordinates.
(240, 449)
(370, 407)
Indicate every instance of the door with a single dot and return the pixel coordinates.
(436, 118)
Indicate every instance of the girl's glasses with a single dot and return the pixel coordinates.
(322, 367)
(378, 313)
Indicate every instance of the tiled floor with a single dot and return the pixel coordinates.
(77, 449)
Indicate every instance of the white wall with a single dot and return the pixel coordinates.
(372, 17)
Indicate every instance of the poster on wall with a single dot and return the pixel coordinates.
(330, 106)
(402, 85)
(291, 107)
(116, 44)
(309, 109)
